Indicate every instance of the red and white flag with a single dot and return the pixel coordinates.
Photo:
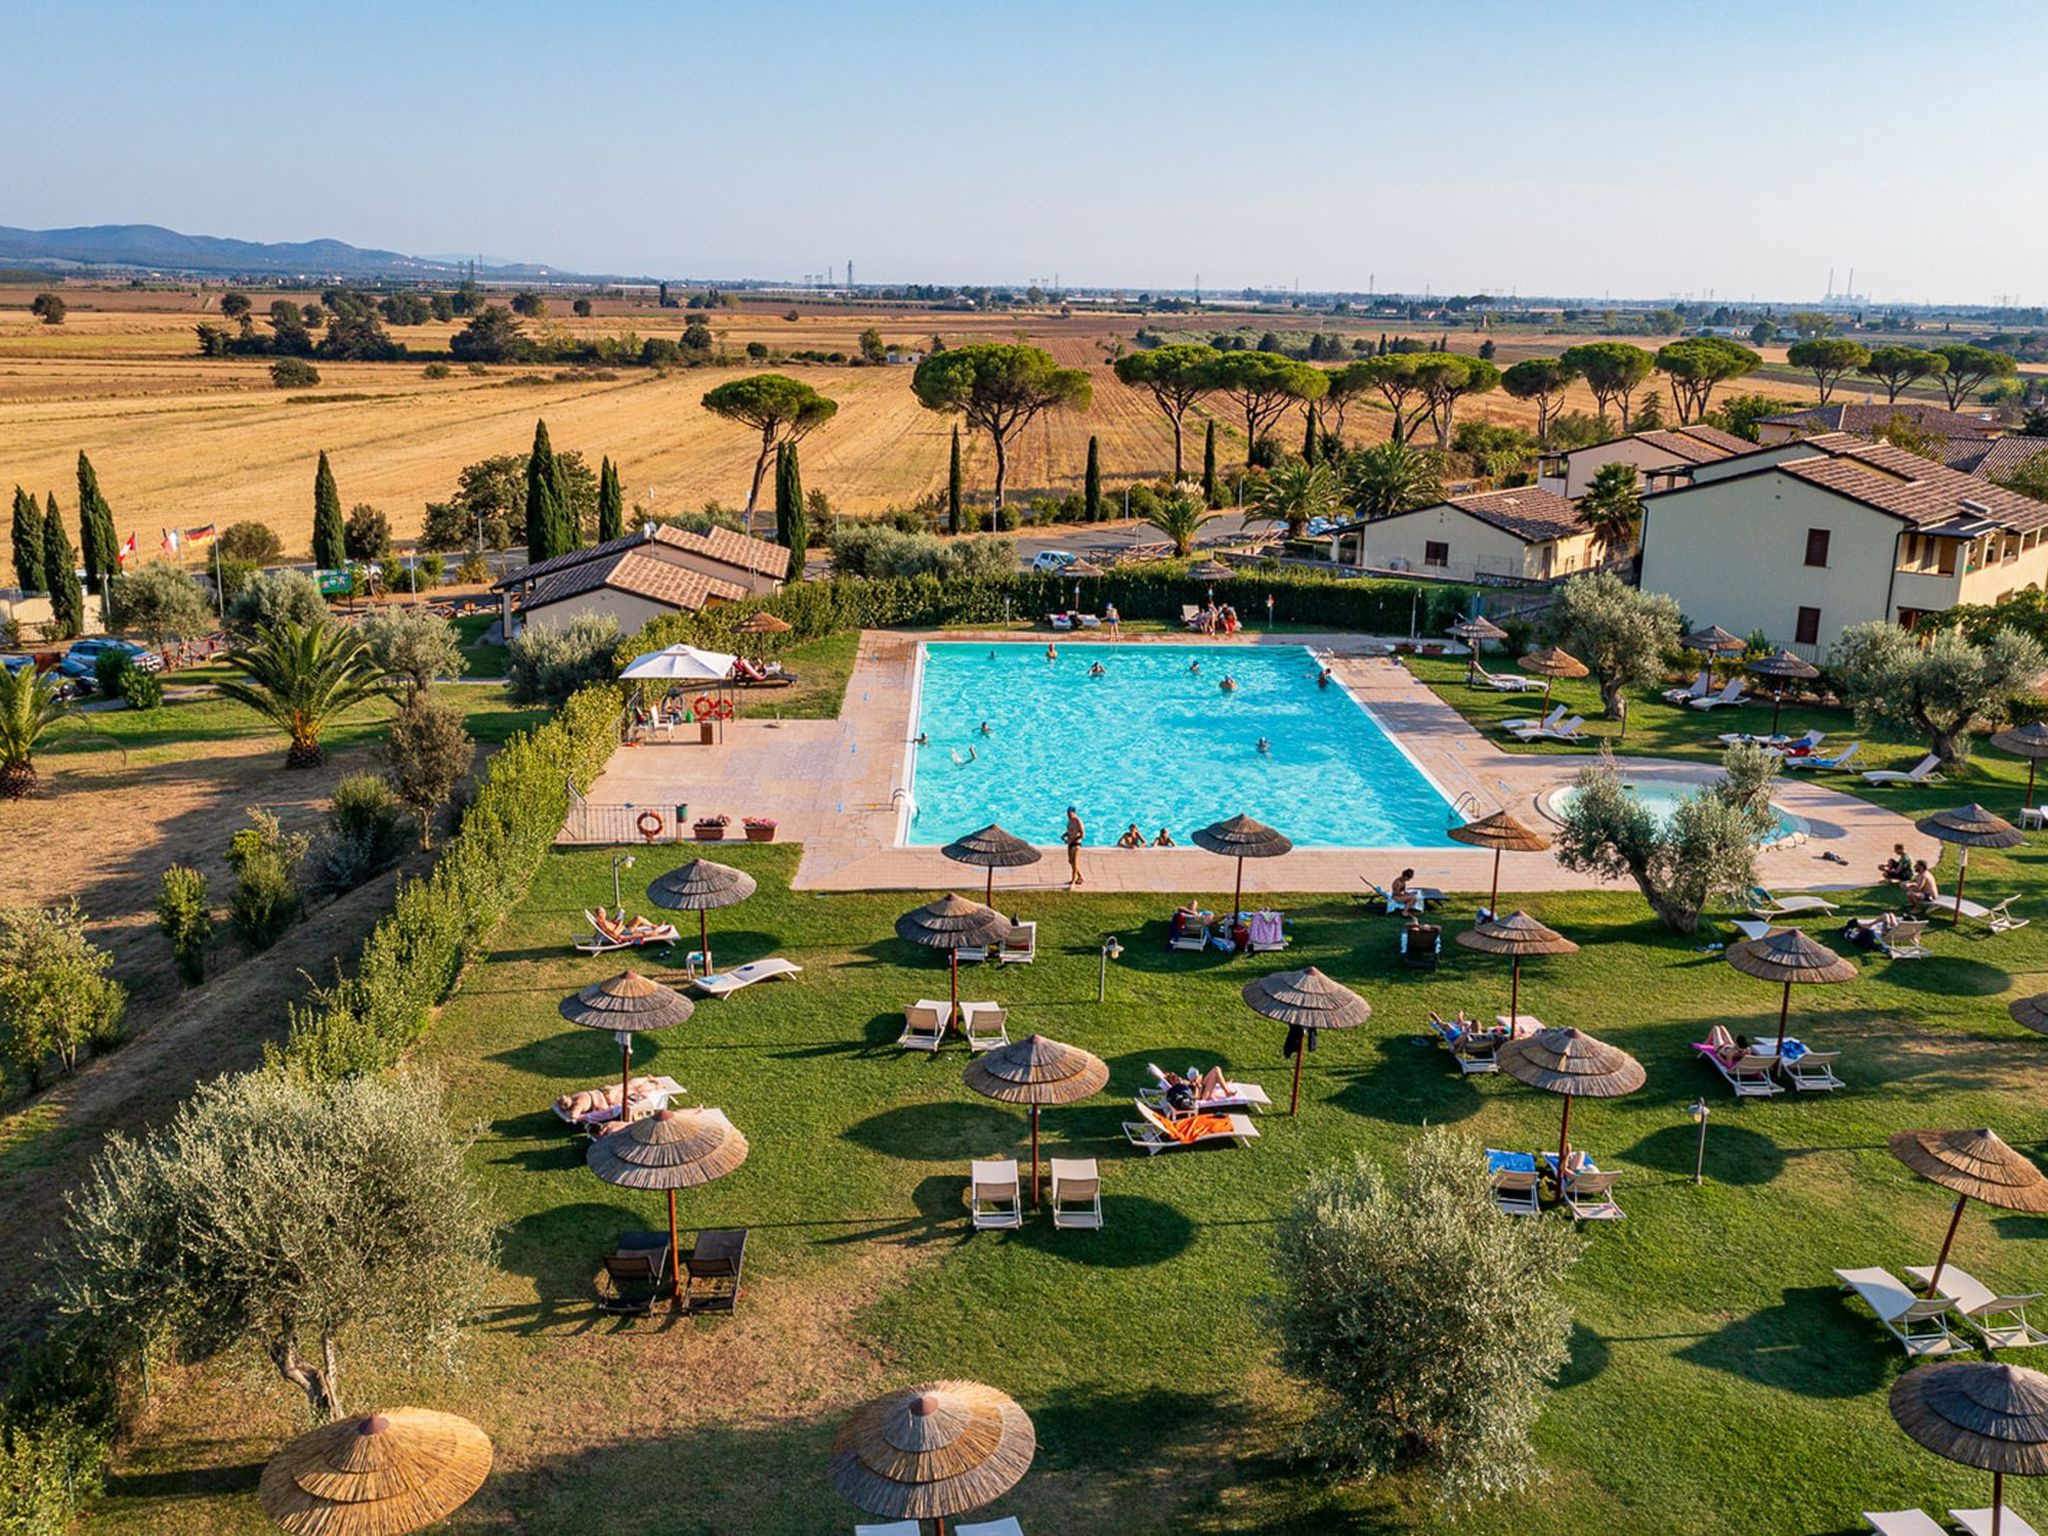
(122, 554)
(170, 541)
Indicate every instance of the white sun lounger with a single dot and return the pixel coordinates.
(1750, 1077)
(1531, 724)
(994, 1194)
(1242, 1095)
(1007, 1526)
(1768, 906)
(1903, 1522)
(985, 1025)
(924, 1025)
(893, 1528)
(1589, 1195)
(1505, 682)
(725, 983)
(1516, 1192)
(1076, 1193)
(1814, 1072)
(1701, 687)
(1568, 730)
(1917, 1322)
(1922, 772)
(1836, 761)
(1021, 947)
(2000, 1320)
(607, 934)
(1978, 1522)
(1734, 693)
(1155, 1134)
(1997, 918)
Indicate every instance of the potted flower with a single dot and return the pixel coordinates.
(711, 829)
(760, 829)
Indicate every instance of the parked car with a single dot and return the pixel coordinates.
(1051, 562)
(82, 660)
(1319, 526)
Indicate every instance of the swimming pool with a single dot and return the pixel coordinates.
(1154, 740)
(1662, 799)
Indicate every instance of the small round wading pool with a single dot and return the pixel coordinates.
(1662, 799)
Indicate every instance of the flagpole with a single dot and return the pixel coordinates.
(220, 592)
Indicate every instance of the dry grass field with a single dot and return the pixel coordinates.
(182, 440)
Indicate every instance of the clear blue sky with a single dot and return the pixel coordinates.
(1584, 147)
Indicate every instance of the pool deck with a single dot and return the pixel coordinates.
(836, 786)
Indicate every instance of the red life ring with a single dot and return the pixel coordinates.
(725, 710)
(650, 833)
(702, 707)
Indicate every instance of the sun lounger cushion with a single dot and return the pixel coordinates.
(1903, 1522)
(1978, 1522)
(724, 983)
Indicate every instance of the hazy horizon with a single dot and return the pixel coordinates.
(1605, 151)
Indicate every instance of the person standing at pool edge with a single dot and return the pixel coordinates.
(1076, 834)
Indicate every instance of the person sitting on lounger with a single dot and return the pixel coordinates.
(1897, 869)
(1132, 837)
(1164, 840)
(1921, 891)
(1401, 898)
(1869, 932)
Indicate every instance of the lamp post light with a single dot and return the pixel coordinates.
(623, 861)
(1111, 950)
(1699, 1112)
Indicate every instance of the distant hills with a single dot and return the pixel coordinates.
(152, 248)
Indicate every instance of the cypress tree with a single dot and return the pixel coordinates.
(1311, 440)
(542, 521)
(1209, 465)
(611, 503)
(28, 542)
(792, 524)
(1091, 485)
(60, 573)
(96, 542)
(953, 487)
(330, 548)
(568, 522)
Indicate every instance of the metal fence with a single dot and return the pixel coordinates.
(631, 823)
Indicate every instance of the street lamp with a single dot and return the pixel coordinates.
(1699, 1112)
(623, 861)
(1111, 950)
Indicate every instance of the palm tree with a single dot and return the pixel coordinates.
(1612, 508)
(1294, 494)
(1179, 516)
(29, 706)
(299, 677)
(1392, 477)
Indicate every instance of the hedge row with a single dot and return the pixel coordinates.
(815, 609)
(364, 1022)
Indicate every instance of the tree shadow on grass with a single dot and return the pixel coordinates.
(1587, 1356)
(1410, 1082)
(1949, 976)
(1735, 1154)
(942, 1132)
(1136, 1232)
(938, 1213)
(588, 1057)
(554, 1144)
(1781, 1346)
(560, 1250)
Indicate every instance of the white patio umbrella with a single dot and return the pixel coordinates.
(681, 663)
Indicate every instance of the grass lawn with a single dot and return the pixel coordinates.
(821, 667)
(480, 659)
(1717, 1383)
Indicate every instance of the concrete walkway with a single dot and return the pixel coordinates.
(836, 786)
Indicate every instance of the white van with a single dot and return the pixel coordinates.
(1051, 562)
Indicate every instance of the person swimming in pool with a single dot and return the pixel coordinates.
(1194, 669)
(1098, 670)
(923, 740)
(1164, 840)
(1265, 747)
(986, 729)
(1323, 678)
(1132, 837)
(962, 762)
(1052, 651)
(1229, 684)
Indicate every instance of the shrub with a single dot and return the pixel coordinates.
(551, 661)
(363, 831)
(427, 751)
(256, 543)
(909, 520)
(413, 645)
(436, 370)
(871, 550)
(143, 690)
(474, 571)
(157, 601)
(55, 995)
(109, 670)
(266, 860)
(186, 920)
(431, 568)
(235, 576)
(46, 1469)
(367, 533)
(1430, 1325)
(275, 599)
(293, 373)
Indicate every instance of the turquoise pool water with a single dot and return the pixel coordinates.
(1154, 743)
(1662, 800)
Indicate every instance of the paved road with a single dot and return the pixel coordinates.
(1094, 540)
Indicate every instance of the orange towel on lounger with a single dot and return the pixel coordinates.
(1195, 1127)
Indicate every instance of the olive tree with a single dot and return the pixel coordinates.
(1177, 376)
(159, 601)
(274, 599)
(1827, 358)
(1543, 380)
(550, 661)
(1942, 690)
(413, 647)
(1703, 851)
(1620, 633)
(1001, 388)
(1264, 384)
(426, 753)
(302, 1217)
(1430, 1326)
(782, 409)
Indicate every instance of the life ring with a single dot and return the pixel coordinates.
(702, 707)
(725, 710)
(646, 831)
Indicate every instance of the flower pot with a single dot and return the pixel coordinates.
(709, 832)
(760, 834)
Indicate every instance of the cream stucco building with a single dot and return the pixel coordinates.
(1520, 534)
(1569, 473)
(643, 575)
(1842, 531)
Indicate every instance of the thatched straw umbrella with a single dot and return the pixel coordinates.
(1788, 956)
(1242, 838)
(626, 1004)
(378, 1474)
(1037, 1071)
(2028, 741)
(699, 886)
(1574, 1064)
(761, 622)
(992, 849)
(1782, 667)
(1516, 936)
(1550, 664)
(1475, 632)
(928, 1452)
(1306, 1000)
(1993, 1417)
(954, 923)
(1970, 827)
(2031, 1013)
(1503, 834)
(1714, 642)
(1972, 1163)
(670, 1150)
